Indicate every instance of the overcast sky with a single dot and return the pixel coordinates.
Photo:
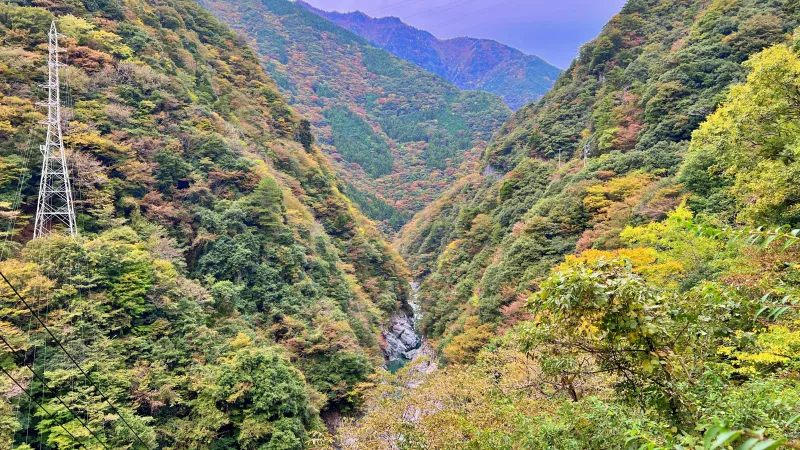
(552, 29)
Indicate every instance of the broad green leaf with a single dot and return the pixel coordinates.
(631, 440)
(769, 240)
(748, 444)
(726, 437)
(779, 312)
(768, 444)
(711, 434)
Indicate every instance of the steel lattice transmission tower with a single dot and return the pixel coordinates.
(55, 207)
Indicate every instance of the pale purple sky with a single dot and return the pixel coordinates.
(552, 29)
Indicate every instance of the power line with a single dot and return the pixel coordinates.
(40, 406)
(81, 219)
(440, 8)
(392, 6)
(44, 384)
(85, 375)
(16, 203)
(472, 13)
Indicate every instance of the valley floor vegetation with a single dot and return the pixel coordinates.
(627, 348)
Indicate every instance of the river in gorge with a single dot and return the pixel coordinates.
(403, 340)
(404, 345)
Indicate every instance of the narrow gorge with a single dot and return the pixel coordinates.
(404, 343)
(248, 190)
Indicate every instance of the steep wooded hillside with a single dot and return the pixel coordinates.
(468, 63)
(398, 134)
(223, 290)
(632, 100)
(643, 297)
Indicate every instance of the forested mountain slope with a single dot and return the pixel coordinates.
(223, 290)
(398, 134)
(633, 302)
(468, 63)
(631, 99)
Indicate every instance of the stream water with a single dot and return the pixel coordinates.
(403, 341)
(404, 344)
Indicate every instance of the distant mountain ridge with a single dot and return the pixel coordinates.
(469, 63)
(398, 135)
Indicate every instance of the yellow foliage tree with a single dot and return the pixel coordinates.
(753, 141)
(465, 347)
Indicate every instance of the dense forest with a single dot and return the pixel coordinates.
(398, 134)
(468, 63)
(615, 267)
(223, 291)
(645, 296)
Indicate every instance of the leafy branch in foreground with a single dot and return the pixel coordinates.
(761, 236)
(720, 436)
(772, 311)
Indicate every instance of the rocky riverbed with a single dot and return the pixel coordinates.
(404, 345)
(403, 342)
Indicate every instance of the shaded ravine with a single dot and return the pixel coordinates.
(404, 343)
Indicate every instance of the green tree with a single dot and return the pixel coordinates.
(754, 140)
(265, 205)
(265, 397)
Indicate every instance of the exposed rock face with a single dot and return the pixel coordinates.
(401, 338)
(403, 343)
